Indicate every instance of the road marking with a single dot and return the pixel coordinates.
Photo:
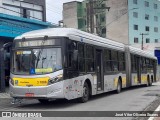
(158, 109)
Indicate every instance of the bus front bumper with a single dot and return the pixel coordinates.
(54, 91)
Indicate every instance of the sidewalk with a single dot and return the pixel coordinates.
(5, 94)
(157, 83)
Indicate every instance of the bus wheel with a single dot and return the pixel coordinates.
(85, 96)
(43, 101)
(119, 86)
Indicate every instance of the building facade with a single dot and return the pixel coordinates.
(88, 15)
(31, 9)
(127, 20)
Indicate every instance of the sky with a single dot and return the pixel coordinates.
(54, 9)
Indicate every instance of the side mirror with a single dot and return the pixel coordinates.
(75, 55)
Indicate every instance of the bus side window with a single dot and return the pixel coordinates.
(114, 58)
(121, 59)
(143, 65)
(107, 60)
(72, 48)
(81, 60)
(89, 58)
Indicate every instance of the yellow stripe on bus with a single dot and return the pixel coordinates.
(115, 82)
(135, 79)
(144, 78)
(31, 81)
(124, 81)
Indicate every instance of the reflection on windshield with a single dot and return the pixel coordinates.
(37, 61)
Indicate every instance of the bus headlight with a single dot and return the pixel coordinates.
(55, 79)
(12, 81)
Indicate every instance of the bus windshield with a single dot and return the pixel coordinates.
(36, 61)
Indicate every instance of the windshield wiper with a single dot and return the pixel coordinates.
(41, 50)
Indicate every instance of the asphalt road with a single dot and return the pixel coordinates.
(132, 99)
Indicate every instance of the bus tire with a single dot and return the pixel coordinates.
(119, 86)
(43, 101)
(85, 96)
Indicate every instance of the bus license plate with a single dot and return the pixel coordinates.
(29, 94)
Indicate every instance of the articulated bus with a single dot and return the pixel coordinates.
(66, 63)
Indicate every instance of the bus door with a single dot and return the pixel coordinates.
(154, 70)
(99, 69)
(138, 69)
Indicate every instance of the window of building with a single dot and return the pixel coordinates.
(156, 40)
(147, 28)
(135, 40)
(25, 10)
(155, 29)
(135, 27)
(24, 13)
(103, 19)
(147, 40)
(11, 10)
(134, 1)
(155, 6)
(146, 17)
(135, 14)
(103, 5)
(146, 3)
(104, 31)
(156, 18)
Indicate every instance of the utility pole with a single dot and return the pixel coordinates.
(91, 16)
(142, 38)
(100, 9)
(91, 12)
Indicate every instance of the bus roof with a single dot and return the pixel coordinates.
(74, 34)
(85, 37)
(140, 52)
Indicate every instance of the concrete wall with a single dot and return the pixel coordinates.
(150, 47)
(117, 21)
(70, 14)
(141, 22)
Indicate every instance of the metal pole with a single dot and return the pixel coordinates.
(2, 71)
(91, 16)
(142, 42)
(142, 38)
